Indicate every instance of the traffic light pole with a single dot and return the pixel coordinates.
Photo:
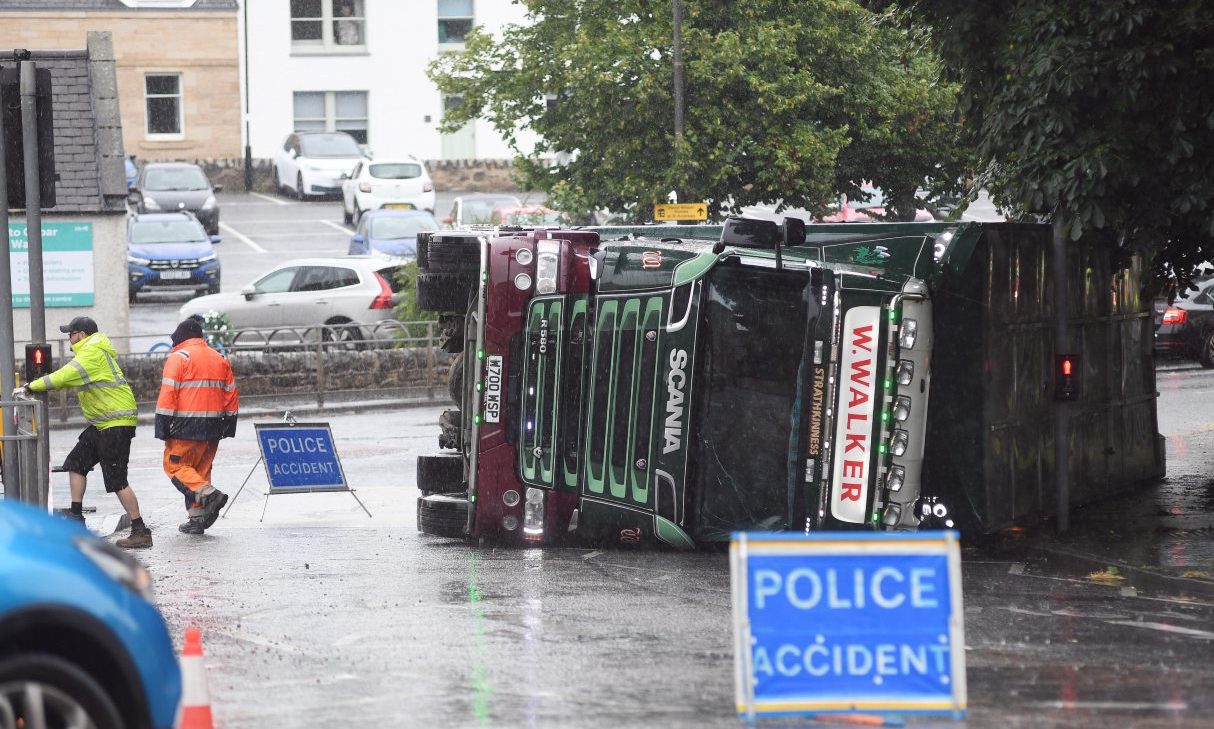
(33, 233)
(8, 378)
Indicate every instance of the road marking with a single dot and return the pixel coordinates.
(592, 555)
(242, 238)
(274, 200)
(342, 228)
(1166, 628)
(1129, 592)
(1114, 705)
(1016, 569)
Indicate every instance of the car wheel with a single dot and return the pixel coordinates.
(346, 216)
(132, 295)
(442, 515)
(440, 474)
(299, 188)
(358, 214)
(342, 335)
(213, 288)
(443, 291)
(448, 254)
(37, 684)
(278, 186)
(1205, 356)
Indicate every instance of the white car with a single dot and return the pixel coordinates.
(314, 163)
(396, 183)
(347, 299)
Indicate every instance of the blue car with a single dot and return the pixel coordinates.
(170, 252)
(78, 631)
(391, 233)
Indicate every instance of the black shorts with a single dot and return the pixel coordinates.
(110, 447)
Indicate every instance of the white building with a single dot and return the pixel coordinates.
(359, 66)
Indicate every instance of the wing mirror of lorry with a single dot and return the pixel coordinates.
(794, 232)
(248, 292)
(748, 233)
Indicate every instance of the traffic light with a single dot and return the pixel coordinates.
(13, 141)
(1066, 377)
(37, 361)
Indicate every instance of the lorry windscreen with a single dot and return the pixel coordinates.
(752, 338)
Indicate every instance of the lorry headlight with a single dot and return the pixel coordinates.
(908, 334)
(897, 476)
(902, 408)
(510, 498)
(893, 513)
(524, 256)
(905, 372)
(899, 442)
(533, 515)
(547, 261)
(522, 282)
(939, 510)
(510, 522)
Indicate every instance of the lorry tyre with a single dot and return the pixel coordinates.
(442, 515)
(1205, 355)
(445, 253)
(455, 379)
(443, 291)
(440, 474)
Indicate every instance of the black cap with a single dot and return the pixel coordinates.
(188, 329)
(80, 324)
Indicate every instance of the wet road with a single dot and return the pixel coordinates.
(319, 616)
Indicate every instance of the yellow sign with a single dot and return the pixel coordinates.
(681, 211)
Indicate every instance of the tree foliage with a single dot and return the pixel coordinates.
(1100, 110)
(785, 102)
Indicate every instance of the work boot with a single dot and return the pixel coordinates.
(211, 504)
(192, 526)
(73, 516)
(139, 539)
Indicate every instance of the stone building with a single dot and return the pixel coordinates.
(177, 66)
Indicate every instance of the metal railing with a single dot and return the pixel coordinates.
(28, 450)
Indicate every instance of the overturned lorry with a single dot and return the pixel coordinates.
(672, 385)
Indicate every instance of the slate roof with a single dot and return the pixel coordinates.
(88, 131)
(102, 5)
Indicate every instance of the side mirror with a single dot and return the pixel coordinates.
(748, 233)
(215, 239)
(217, 188)
(359, 240)
(248, 292)
(292, 153)
(344, 176)
(794, 232)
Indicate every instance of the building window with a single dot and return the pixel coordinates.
(454, 20)
(162, 92)
(332, 111)
(328, 25)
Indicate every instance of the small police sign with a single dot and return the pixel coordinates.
(847, 623)
(300, 457)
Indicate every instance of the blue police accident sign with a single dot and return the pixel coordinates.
(848, 622)
(300, 457)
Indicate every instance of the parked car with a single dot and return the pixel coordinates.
(313, 163)
(338, 299)
(527, 215)
(168, 187)
(476, 209)
(81, 642)
(393, 184)
(1186, 328)
(132, 172)
(391, 232)
(170, 252)
(871, 210)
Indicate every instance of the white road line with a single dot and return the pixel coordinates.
(1114, 705)
(274, 200)
(1179, 630)
(342, 228)
(242, 238)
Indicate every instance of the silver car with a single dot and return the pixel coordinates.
(309, 299)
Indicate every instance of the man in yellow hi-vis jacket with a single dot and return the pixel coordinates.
(109, 406)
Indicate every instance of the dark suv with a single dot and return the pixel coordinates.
(170, 252)
(170, 187)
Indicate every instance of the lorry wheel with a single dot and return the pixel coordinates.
(443, 291)
(1206, 355)
(444, 253)
(455, 379)
(442, 515)
(440, 474)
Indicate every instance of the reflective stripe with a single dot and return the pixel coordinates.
(183, 353)
(83, 373)
(229, 387)
(113, 416)
(46, 383)
(200, 383)
(189, 413)
(170, 382)
(95, 385)
(113, 367)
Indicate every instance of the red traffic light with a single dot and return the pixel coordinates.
(1066, 367)
(1066, 377)
(37, 361)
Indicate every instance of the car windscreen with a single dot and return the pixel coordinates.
(396, 170)
(167, 231)
(478, 209)
(751, 341)
(389, 228)
(173, 179)
(329, 145)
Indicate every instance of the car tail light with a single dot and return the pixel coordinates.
(384, 300)
(1172, 315)
(427, 186)
(364, 187)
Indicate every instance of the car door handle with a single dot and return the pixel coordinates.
(273, 303)
(322, 301)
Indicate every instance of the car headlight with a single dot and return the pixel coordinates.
(908, 334)
(210, 203)
(206, 258)
(117, 564)
(149, 203)
(138, 261)
(547, 261)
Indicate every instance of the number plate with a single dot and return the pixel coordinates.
(174, 275)
(493, 388)
(399, 206)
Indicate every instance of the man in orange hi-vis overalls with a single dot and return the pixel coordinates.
(197, 407)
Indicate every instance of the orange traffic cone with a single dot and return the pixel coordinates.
(195, 699)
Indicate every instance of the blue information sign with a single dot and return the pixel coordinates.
(300, 457)
(848, 622)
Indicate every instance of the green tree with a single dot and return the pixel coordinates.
(786, 102)
(1101, 111)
